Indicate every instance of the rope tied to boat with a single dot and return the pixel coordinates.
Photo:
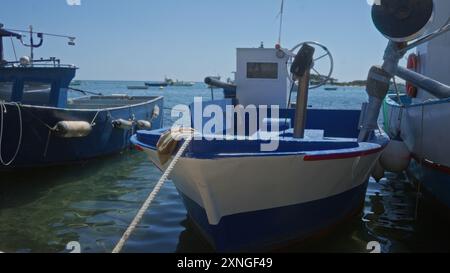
(131, 228)
(3, 111)
(168, 142)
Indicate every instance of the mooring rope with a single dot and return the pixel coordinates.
(2, 120)
(152, 196)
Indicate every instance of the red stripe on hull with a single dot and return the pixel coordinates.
(430, 164)
(341, 156)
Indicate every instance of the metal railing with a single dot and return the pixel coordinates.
(50, 62)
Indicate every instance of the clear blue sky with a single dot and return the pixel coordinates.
(191, 39)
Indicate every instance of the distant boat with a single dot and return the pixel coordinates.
(182, 83)
(178, 83)
(137, 87)
(156, 84)
(331, 88)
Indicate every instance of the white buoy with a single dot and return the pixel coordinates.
(73, 129)
(144, 124)
(396, 157)
(378, 172)
(156, 112)
(25, 61)
(123, 124)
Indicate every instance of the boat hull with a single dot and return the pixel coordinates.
(40, 147)
(435, 180)
(277, 227)
(254, 203)
(423, 127)
(161, 84)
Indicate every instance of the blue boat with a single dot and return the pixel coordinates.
(156, 84)
(293, 174)
(40, 125)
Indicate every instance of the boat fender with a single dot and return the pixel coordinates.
(168, 142)
(72, 129)
(166, 147)
(156, 112)
(395, 157)
(378, 172)
(144, 124)
(413, 64)
(122, 124)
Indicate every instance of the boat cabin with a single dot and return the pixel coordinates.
(43, 82)
(262, 77)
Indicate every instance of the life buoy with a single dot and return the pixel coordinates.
(413, 64)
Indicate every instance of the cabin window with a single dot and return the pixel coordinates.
(6, 89)
(36, 93)
(262, 70)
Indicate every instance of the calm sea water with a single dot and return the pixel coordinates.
(43, 210)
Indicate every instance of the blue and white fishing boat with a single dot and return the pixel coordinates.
(419, 119)
(245, 194)
(40, 125)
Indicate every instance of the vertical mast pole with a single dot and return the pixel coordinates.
(281, 22)
(31, 45)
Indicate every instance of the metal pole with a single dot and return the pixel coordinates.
(437, 89)
(281, 22)
(302, 105)
(300, 68)
(31, 45)
(1, 50)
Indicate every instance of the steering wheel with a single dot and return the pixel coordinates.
(322, 54)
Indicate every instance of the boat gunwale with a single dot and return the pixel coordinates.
(363, 149)
(391, 102)
(158, 98)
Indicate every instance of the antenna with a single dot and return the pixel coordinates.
(31, 44)
(71, 39)
(281, 21)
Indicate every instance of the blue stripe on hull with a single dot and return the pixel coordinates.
(260, 230)
(436, 183)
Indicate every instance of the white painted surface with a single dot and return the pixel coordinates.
(261, 91)
(424, 129)
(435, 55)
(236, 185)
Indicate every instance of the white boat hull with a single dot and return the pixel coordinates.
(309, 195)
(424, 128)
